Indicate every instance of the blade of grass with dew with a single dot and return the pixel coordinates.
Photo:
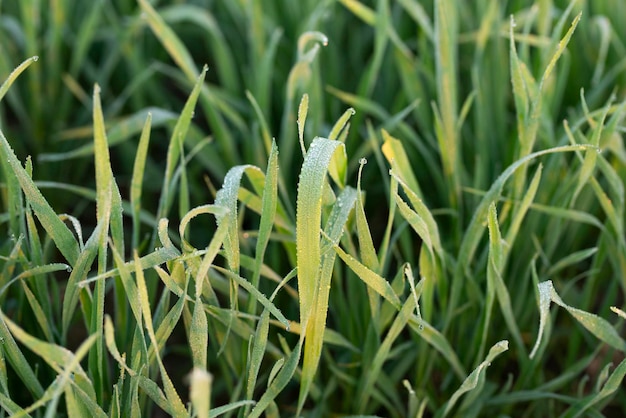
(315, 328)
(429, 226)
(176, 405)
(476, 379)
(260, 346)
(309, 257)
(598, 326)
(494, 264)
(268, 214)
(41, 287)
(68, 380)
(108, 205)
(370, 278)
(14, 74)
(166, 327)
(309, 216)
(166, 253)
(199, 341)
(227, 197)
(80, 271)
(137, 179)
(339, 163)
(56, 229)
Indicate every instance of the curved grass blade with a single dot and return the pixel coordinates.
(598, 326)
(15, 74)
(476, 379)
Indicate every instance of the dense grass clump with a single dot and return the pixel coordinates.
(314, 208)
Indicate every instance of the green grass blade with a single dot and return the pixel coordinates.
(396, 156)
(476, 379)
(370, 278)
(309, 217)
(316, 326)
(80, 271)
(137, 179)
(268, 214)
(15, 74)
(446, 34)
(56, 229)
(176, 406)
(283, 377)
(598, 326)
(171, 42)
(199, 340)
(16, 358)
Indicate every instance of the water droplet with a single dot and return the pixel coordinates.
(288, 327)
(69, 269)
(36, 58)
(420, 327)
(363, 161)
